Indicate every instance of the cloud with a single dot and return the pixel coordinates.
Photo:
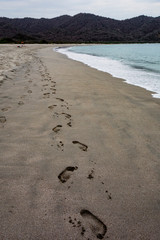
(121, 9)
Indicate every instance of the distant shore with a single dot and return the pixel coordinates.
(79, 154)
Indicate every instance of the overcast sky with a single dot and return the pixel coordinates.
(117, 9)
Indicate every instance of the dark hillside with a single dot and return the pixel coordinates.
(80, 28)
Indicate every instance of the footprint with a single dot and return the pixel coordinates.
(74, 222)
(23, 96)
(69, 124)
(5, 109)
(66, 174)
(109, 195)
(29, 91)
(63, 105)
(95, 224)
(60, 145)
(53, 81)
(82, 146)
(56, 114)
(6, 97)
(52, 106)
(3, 119)
(62, 100)
(52, 89)
(67, 116)
(57, 128)
(90, 175)
(46, 95)
(1, 83)
(20, 103)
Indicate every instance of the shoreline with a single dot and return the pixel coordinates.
(97, 62)
(79, 151)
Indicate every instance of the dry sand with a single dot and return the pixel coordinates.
(79, 151)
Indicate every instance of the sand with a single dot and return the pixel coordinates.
(79, 151)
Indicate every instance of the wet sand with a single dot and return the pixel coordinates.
(79, 151)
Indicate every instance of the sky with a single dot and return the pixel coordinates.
(117, 9)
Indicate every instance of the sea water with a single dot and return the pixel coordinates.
(137, 64)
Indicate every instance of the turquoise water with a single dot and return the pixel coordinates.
(138, 64)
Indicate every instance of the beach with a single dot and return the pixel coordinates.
(79, 151)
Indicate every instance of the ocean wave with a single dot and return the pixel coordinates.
(134, 75)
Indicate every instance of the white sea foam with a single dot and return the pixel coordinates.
(138, 77)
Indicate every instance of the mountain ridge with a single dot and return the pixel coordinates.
(80, 28)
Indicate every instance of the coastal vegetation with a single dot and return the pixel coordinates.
(81, 28)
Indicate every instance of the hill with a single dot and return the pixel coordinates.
(80, 28)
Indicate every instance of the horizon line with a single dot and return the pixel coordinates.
(142, 15)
